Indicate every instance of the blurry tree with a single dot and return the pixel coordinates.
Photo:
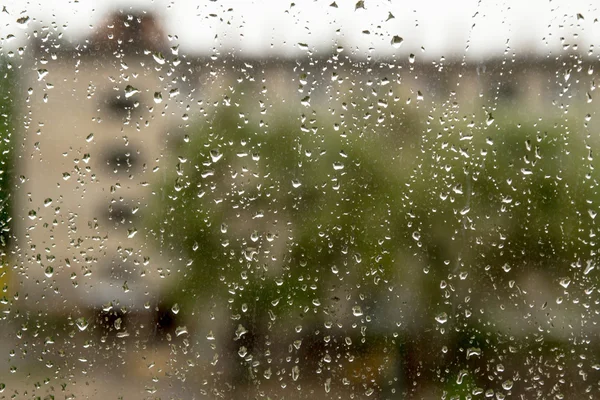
(295, 215)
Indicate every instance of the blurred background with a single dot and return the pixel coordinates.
(285, 201)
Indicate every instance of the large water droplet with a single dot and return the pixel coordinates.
(130, 91)
(442, 318)
(215, 155)
(295, 372)
(82, 323)
(397, 41)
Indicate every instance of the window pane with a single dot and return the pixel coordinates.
(315, 200)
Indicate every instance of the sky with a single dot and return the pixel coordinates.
(430, 29)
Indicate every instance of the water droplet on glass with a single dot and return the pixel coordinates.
(180, 330)
(327, 385)
(473, 351)
(130, 91)
(215, 155)
(23, 21)
(295, 372)
(526, 171)
(42, 73)
(565, 282)
(441, 318)
(159, 58)
(397, 41)
(507, 385)
(82, 323)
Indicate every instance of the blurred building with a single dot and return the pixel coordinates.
(96, 122)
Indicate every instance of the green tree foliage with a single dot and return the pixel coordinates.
(282, 215)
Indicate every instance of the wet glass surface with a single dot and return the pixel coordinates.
(299, 201)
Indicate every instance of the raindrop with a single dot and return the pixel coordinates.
(42, 73)
(338, 166)
(327, 385)
(180, 330)
(397, 41)
(130, 91)
(565, 282)
(295, 373)
(159, 58)
(23, 21)
(82, 323)
(442, 318)
(215, 155)
(460, 377)
(473, 351)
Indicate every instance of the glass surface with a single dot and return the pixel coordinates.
(321, 200)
